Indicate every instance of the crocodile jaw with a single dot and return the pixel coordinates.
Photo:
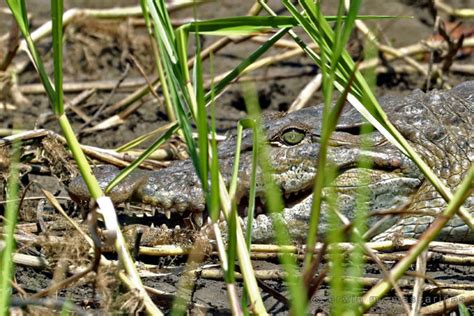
(383, 191)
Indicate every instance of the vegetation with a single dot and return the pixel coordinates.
(187, 102)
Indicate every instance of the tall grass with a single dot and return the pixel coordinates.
(186, 101)
(275, 205)
(173, 49)
(55, 95)
(340, 72)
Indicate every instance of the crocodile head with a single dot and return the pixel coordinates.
(293, 141)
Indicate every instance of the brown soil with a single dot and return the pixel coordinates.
(105, 50)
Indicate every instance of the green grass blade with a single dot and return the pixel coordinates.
(244, 25)
(275, 205)
(246, 63)
(239, 25)
(245, 124)
(11, 215)
(232, 245)
(214, 194)
(336, 257)
(18, 10)
(253, 187)
(201, 119)
(158, 12)
(57, 20)
(159, 64)
(356, 258)
(349, 23)
(463, 311)
(150, 150)
(65, 310)
(235, 169)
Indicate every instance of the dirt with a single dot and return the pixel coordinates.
(107, 50)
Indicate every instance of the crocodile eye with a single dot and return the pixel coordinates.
(292, 136)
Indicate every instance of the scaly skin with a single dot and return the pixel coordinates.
(439, 125)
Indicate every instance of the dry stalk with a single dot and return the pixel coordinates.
(279, 275)
(419, 283)
(449, 304)
(461, 13)
(443, 252)
(70, 87)
(31, 261)
(305, 95)
(387, 276)
(423, 47)
(104, 155)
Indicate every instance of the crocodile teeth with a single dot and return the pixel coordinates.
(181, 207)
(168, 214)
(177, 227)
(197, 218)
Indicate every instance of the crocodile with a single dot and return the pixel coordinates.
(437, 124)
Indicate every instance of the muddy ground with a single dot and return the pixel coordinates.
(100, 50)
